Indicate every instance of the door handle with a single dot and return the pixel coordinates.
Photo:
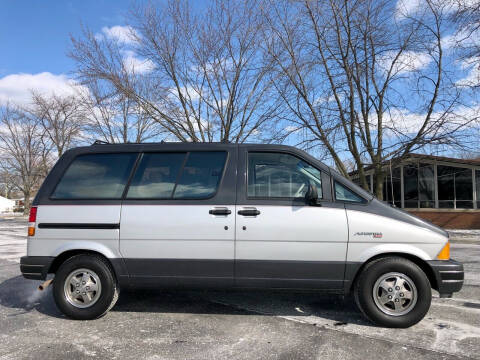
(220, 211)
(249, 212)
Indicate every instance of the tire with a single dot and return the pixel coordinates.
(100, 287)
(386, 305)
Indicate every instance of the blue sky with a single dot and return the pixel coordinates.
(34, 35)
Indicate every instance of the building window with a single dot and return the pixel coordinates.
(446, 186)
(392, 192)
(369, 182)
(410, 185)
(463, 188)
(455, 189)
(426, 186)
(477, 181)
(359, 183)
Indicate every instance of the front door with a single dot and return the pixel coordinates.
(281, 241)
(178, 219)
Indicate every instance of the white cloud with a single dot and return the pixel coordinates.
(402, 121)
(137, 65)
(122, 34)
(406, 8)
(407, 62)
(16, 88)
(473, 77)
(462, 38)
(292, 129)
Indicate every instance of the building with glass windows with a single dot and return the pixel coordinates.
(431, 185)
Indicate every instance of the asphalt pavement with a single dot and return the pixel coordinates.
(227, 324)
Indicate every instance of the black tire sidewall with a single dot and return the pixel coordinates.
(364, 292)
(101, 268)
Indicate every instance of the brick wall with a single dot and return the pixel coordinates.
(451, 219)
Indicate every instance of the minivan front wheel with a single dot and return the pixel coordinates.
(85, 287)
(393, 292)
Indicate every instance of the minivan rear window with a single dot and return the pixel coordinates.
(95, 176)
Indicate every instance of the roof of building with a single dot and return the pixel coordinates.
(445, 159)
(420, 157)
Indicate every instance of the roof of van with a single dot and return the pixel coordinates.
(182, 145)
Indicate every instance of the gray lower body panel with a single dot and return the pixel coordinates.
(35, 267)
(239, 273)
(449, 275)
(289, 274)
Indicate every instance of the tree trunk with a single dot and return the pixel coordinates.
(380, 178)
(26, 203)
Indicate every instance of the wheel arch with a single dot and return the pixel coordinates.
(116, 266)
(422, 264)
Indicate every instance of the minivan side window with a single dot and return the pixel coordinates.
(279, 175)
(201, 175)
(95, 176)
(161, 176)
(156, 176)
(342, 193)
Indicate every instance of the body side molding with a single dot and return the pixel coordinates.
(108, 226)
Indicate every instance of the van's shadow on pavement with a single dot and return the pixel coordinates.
(22, 294)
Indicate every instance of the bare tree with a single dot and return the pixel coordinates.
(202, 78)
(467, 37)
(23, 152)
(60, 117)
(7, 181)
(115, 118)
(364, 83)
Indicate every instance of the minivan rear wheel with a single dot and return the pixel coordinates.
(85, 287)
(393, 292)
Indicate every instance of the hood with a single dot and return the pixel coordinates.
(385, 209)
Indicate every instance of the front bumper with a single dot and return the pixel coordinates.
(449, 275)
(35, 267)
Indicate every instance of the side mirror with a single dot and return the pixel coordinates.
(311, 196)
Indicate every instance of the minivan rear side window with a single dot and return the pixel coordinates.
(95, 176)
(161, 176)
(280, 175)
(201, 175)
(156, 176)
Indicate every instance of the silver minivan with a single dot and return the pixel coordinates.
(187, 215)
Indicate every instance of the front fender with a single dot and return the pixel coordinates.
(381, 249)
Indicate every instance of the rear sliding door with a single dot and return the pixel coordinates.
(178, 219)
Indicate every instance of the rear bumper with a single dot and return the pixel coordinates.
(35, 267)
(449, 275)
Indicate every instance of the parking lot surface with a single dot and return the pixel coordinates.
(227, 324)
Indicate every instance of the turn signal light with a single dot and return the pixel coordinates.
(31, 230)
(444, 254)
(31, 221)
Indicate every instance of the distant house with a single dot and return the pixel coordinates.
(443, 190)
(6, 205)
(20, 204)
